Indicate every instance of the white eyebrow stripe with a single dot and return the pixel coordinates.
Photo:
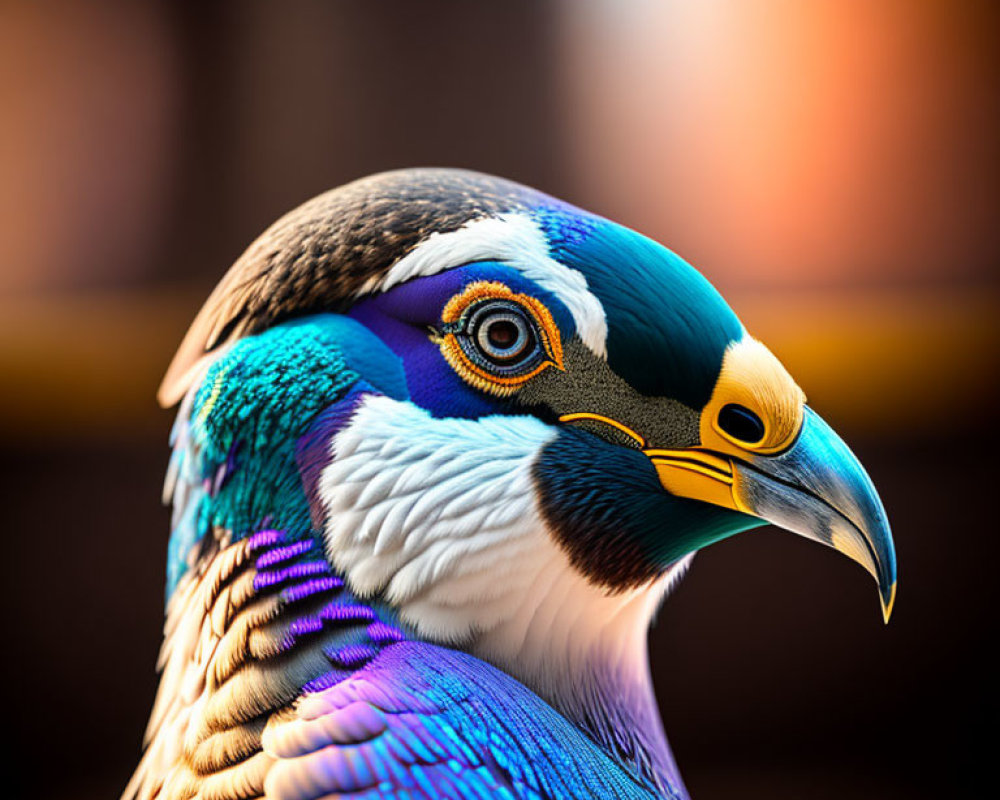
(515, 240)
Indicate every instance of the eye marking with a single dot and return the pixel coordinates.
(496, 339)
(577, 416)
(755, 407)
(741, 423)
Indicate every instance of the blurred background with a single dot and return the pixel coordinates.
(832, 166)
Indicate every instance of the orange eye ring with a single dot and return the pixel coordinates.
(463, 348)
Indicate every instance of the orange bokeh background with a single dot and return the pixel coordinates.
(830, 165)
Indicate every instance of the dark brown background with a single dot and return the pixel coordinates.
(831, 166)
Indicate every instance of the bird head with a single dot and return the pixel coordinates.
(652, 423)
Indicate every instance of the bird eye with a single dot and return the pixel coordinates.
(499, 335)
(497, 339)
(503, 336)
(741, 423)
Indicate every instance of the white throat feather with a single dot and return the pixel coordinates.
(439, 517)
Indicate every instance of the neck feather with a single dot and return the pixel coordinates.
(439, 518)
(584, 651)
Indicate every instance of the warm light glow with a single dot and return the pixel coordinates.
(778, 141)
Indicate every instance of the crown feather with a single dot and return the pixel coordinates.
(333, 248)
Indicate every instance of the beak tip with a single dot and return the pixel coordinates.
(888, 600)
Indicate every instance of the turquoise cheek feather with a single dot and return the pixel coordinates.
(253, 405)
(659, 309)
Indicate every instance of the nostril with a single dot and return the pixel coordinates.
(741, 423)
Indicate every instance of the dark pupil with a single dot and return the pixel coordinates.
(741, 423)
(502, 334)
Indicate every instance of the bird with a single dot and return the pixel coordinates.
(444, 444)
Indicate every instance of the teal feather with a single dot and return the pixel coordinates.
(252, 406)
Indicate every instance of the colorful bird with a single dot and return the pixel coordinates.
(444, 445)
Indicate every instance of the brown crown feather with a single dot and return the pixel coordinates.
(321, 255)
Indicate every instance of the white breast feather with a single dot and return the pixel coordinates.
(421, 510)
(441, 517)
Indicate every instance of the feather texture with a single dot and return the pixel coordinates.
(420, 721)
(286, 670)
